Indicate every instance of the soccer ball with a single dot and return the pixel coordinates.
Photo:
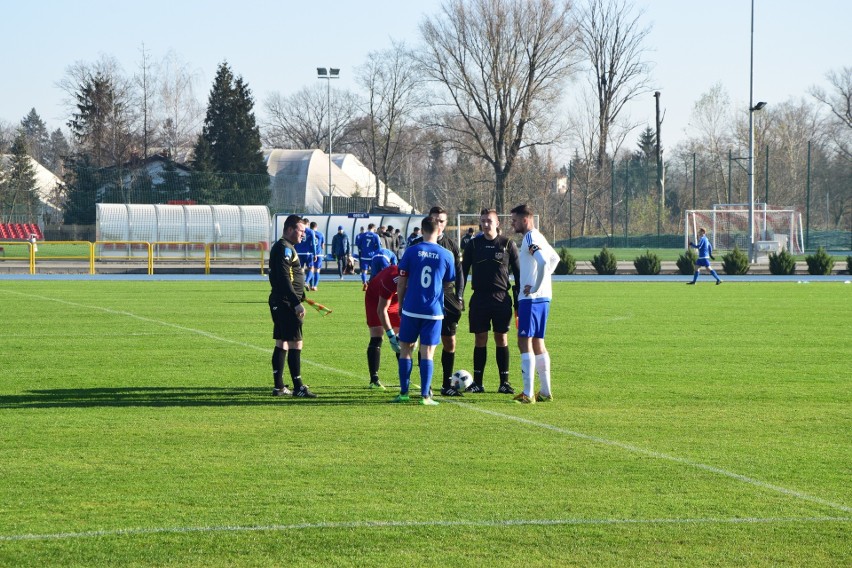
(460, 380)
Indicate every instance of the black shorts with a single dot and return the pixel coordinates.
(450, 323)
(287, 326)
(483, 315)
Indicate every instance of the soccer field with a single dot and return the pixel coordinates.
(692, 426)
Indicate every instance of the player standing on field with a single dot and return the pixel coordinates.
(319, 256)
(491, 257)
(424, 271)
(382, 307)
(307, 249)
(538, 260)
(453, 303)
(368, 244)
(285, 304)
(705, 254)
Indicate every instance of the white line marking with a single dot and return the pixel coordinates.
(410, 524)
(596, 439)
(651, 453)
(181, 328)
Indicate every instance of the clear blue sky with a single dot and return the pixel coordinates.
(276, 46)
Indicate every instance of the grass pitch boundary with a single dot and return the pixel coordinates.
(518, 419)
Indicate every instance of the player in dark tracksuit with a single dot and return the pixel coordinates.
(491, 257)
(287, 279)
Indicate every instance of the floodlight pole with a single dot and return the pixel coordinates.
(752, 252)
(328, 75)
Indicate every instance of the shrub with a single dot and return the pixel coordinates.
(605, 262)
(686, 262)
(782, 263)
(647, 263)
(849, 265)
(820, 263)
(567, 264)
(735, 262)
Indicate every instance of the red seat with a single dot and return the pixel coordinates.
(16, 231)
(3, 233)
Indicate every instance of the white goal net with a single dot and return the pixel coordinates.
(727, 226)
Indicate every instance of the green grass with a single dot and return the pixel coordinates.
(692, 426)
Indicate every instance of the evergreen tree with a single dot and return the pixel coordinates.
(36, 136)
(101, 125)
(19, 195)
(647, 145)
(230, 143)
(58, 150)
(82, 180)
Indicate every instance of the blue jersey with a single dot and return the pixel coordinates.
(368, 244)
(319, 241)
(705, 249)
(307, 247)
(427, 266)
(381, 260)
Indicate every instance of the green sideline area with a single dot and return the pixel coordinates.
(692, 426)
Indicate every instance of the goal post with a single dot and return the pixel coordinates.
(728, 227)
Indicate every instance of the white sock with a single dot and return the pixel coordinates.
(527, 373)
(542, 366)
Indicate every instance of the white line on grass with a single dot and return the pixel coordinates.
(179, 327)
(588, 437)
(651, 453)
(411, 524)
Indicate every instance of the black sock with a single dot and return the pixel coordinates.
(503, 363)
(374, 357)
(278, 367)
(294, 362)
(480, 357)
(448, 359)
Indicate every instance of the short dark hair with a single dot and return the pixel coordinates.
(487, 211)
(416, 228)
(371, 226)
(428, 225)
(291, 221)
(437, 210)
(470, 229)
(523, 210)
(313, 224)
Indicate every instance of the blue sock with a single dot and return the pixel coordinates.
(427, 366)
(316, 278)
(363, 275)
(695, 276)
(716, 276)
(404, 375)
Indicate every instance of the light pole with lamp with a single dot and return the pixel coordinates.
(752, 253)
(328, 75)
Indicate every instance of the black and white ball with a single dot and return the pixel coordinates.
(460, 380)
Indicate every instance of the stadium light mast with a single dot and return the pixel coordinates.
(752, 252)
(329, 74)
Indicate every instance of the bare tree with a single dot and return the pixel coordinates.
(300, 120)
(392, 86)
(501, 64)
(839, 101)
(146, 84)
(181, 113)
(612, 38)
(710, 137)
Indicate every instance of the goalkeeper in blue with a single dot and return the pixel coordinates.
(424, 270)
(705, 255)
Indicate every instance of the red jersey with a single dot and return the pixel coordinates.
(382, 285)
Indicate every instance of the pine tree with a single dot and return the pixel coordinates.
(36, 136)
(19, 195)
(58, 151)
(230, 143)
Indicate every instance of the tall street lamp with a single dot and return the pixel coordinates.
(752, 252)
(329, 74)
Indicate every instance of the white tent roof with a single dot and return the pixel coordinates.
(300, 180)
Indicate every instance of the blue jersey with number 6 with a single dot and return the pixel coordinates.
(427, 266)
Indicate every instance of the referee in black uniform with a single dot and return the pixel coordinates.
(285, 304)
(491, 256)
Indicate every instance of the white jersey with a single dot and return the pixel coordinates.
(535, 242)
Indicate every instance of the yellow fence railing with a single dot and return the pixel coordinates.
(151, 254)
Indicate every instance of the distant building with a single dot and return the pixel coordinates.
(49, 188)
(300, 180)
